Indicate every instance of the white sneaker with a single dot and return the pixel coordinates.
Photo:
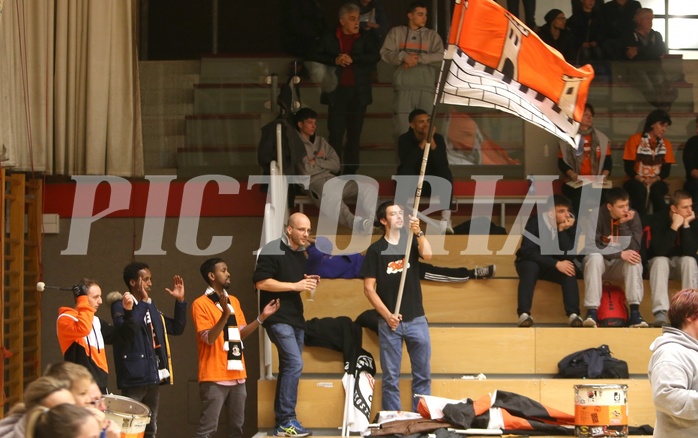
(525, 320)
(575, 320)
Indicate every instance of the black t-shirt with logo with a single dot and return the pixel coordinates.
(384, 262)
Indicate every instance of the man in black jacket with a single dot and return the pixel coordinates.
(353, 53)
(546, 253)
(672, 243)
(143, 363)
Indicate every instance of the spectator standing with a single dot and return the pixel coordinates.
(550, 232)
(280, 274)
(382, 270)
(220, 328)
(410, 149)
(143, 363)
(671, 251)
(608, 257)
(416, 52)
(690, 163)
(592, 157)
(673, 369)
(82, 335)
(353, 54)
(648, 157)
(372, 17)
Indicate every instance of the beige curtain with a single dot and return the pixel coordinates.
(72, 96)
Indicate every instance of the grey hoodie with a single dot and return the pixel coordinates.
(423, 42)
(673, 373)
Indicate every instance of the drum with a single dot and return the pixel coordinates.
(128, 414)
(601, 410)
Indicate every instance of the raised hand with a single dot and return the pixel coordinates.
(178, 288)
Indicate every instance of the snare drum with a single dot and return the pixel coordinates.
(128, 414)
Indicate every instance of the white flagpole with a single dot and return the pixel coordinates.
(445, 66)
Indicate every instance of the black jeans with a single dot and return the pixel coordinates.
(530, 272)
(346, 116)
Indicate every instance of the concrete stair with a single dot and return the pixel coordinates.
(215, 108)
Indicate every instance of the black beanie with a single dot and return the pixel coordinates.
(550, 16)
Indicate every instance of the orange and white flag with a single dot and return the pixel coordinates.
(497, 62)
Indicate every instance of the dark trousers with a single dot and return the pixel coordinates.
(149, 395)
(530, 272)
(637, 192)
(346, 116)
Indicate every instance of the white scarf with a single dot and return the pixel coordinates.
(231, 333)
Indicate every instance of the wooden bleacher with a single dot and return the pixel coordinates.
(473, 330)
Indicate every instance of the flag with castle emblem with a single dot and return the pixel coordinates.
(494, 61)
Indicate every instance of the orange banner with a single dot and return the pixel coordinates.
(502, 64)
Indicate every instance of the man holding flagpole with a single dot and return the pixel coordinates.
(382, 269)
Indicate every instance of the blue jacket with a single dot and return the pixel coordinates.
(137, 361)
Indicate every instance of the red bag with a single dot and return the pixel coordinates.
(612, 311)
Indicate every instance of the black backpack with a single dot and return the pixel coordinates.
(593, 363)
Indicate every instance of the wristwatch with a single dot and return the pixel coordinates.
(420, 234)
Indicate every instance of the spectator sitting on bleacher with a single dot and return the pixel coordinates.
(648, 157)
(556, 34)
(588, 32)
(577, 6)
(690, 163)
(645, 44)
(616, 224)
(466, 144)
(552, 231)
(410, 149)
(618, 17)
(321, 262)
(671, 250)
(416, 53)
(372, 17)
(591, 158)
(321, 162)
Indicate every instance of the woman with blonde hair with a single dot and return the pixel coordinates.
(62, 421)
(44, 391)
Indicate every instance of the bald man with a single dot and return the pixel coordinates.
(280, 274)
